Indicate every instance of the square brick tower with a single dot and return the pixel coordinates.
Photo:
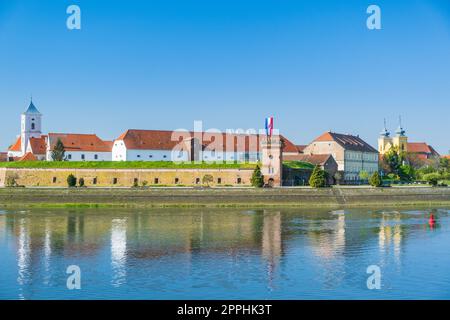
(272, 168)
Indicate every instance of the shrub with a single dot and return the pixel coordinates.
(432, 178)
(71, 181)
(318, 178)
(11, 181)
(81, 183)
(144, 183)
(257, 179)
(337, 177)
(363, 175)
(375, 180)
(207, 179)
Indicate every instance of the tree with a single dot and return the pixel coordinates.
(432, 178)
(207, 179)
(257, 179)
(445, 164)
(375, 180)
(11, 181)
(407, 173)
(393, 160)
(81, 182)
(337, 177)
(59, 152)
(71, 181)
(363, 175)
(318, 178)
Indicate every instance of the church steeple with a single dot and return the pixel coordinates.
(31, 108)
(31, 125)
(385, 132)
(400, 131)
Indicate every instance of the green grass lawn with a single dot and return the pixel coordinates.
(298, 165)
(124, 165)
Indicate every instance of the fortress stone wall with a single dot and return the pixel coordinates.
(125, 177)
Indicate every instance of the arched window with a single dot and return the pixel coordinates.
(33, 126)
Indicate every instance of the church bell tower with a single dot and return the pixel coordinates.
(31, 126)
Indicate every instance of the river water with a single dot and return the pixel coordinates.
(225, 254)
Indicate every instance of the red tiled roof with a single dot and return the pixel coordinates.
(167, 140)
(446, 156)
(347, 141)
(316, 159)
(28, 157)
(80, 142)
(300, 148)
(418, 147)
(38, 145)
(17, 146)
(421, 147)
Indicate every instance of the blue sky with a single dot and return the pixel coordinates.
(161, 64)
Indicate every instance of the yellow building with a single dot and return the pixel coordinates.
(386, 142)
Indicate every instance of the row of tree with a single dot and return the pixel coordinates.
(406, 167)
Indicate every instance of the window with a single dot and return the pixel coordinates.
(96, 157)
(138, 155)
(239, 180)
(156, 180)
(150, 156)
(94, 181)
(33, 126)
(164, 156)
(136, 180)
(54, 180)
(197, 180)
(69, 156)
(115, 180)
(219, 180)
(83, 157)
(177, 180)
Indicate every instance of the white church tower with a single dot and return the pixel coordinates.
(31, 125)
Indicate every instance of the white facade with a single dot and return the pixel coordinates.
(121, 153)
(357, 161)
(83, 156)
(31, 126)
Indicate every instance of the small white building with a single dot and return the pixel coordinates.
(79, 147)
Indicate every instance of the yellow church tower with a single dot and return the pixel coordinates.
(401, 140)
(384, 141)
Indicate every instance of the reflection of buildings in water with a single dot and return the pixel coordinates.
(47, 249)
(390, 232)
(23, 254)
(328, 244)
(328, 238)
(118, 251)
(271, 242)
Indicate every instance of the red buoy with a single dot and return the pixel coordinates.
(431, 221)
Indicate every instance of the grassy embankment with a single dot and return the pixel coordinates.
(124, 165)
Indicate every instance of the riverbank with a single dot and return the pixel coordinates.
(224, 197)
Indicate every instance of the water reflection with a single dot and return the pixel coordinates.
(176, 250)
(118, 251)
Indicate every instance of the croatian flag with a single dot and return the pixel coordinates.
(269, 126)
